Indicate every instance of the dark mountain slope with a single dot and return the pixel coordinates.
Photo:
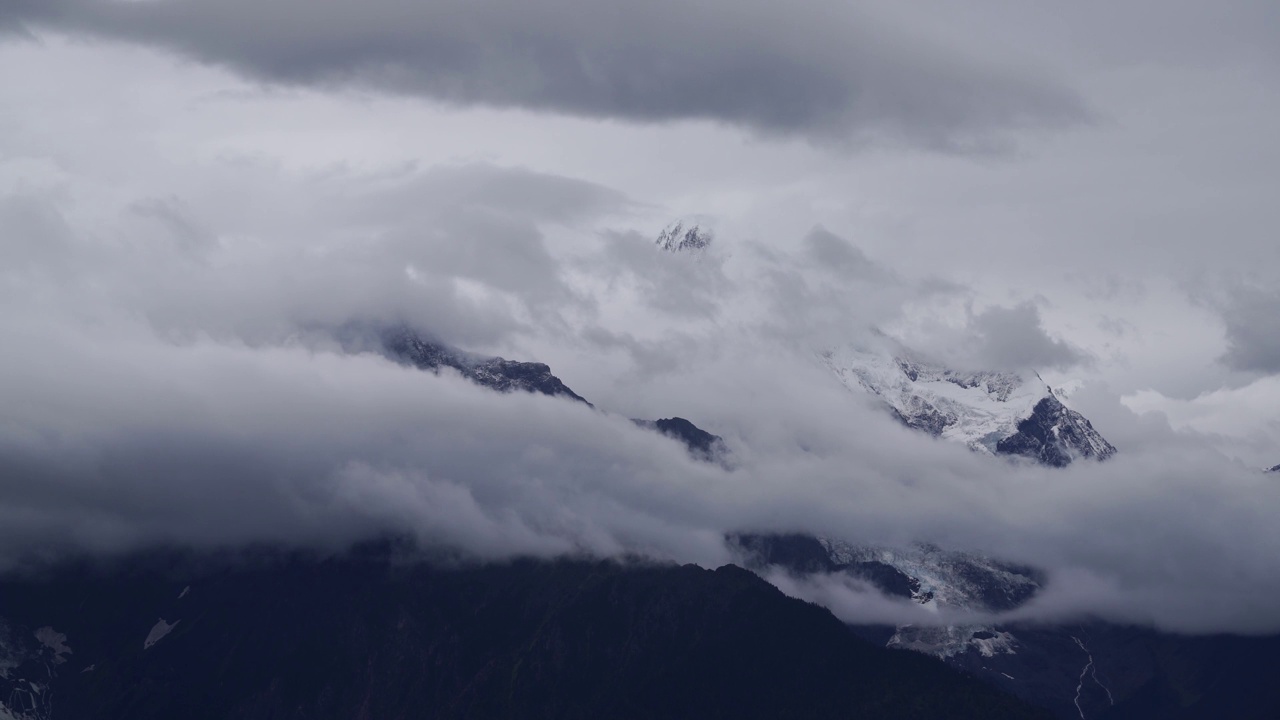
(1054, 435)
(368, 637)
(701, 444)
(406, 346)
(1093, 668)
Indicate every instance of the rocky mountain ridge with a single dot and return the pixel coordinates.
(378, 633)
(993, 412)
(407, 346)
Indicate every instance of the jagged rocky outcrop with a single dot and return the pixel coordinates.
(1054, 435)
(406, 346)
(1001, 413)
(700, 443)
(677, 238)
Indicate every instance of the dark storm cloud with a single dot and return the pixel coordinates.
(822, 70)
(13, 14)
(1252, 318)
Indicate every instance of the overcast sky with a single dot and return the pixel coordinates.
(192, 190)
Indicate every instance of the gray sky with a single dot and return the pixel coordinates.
(191, 192)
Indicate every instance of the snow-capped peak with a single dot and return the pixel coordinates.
(996, 412)
(676, 237)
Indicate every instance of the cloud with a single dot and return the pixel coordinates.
(1014, 337)
(144, 404)
(1252, 318)
(823, 70)
(116, 438)
(11, 24)
(1240, 421)
(459, 249)
(835, 254)
(997, 338)
(170, 278)
(679, 284)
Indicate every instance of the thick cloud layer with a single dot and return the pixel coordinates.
(177, 245)
(157, 391)
(827, 71)
(114, 438)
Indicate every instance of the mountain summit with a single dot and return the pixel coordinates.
(676, 238)
(1000, 413)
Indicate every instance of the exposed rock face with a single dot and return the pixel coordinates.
(1004, 413)
(404, 345)
(1055, 435)
(701, 444)
(677, 238)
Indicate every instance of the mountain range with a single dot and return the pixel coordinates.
(378, 633)
(1088, 669)
(374, 633)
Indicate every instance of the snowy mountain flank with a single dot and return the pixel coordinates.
(998, 413)
(936, 579)
(676, 237)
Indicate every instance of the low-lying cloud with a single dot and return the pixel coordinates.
(179, 387)
(115, 438)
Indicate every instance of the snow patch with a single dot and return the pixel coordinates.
(55, 641)
(978, 409)
(676, 237)
(1090, 669)
(158, 631)
(945, 580)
